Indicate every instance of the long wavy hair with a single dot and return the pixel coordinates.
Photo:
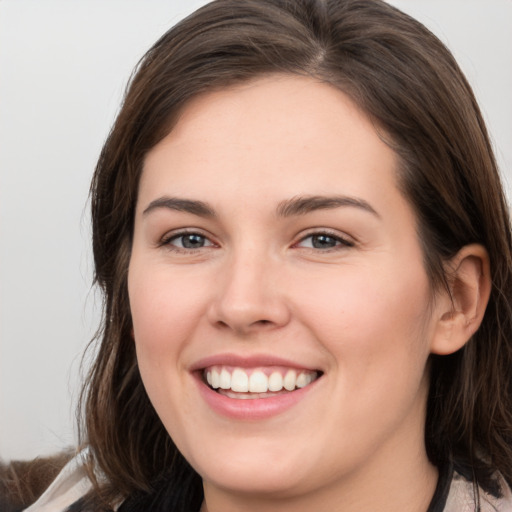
(410, 86)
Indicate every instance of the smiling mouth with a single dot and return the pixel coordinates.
(254, 383)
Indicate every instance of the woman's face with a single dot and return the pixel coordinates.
(273, 249)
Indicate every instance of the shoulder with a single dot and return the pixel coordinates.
(465, 496)
(71, 484)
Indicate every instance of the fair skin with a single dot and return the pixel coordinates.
(270, 237)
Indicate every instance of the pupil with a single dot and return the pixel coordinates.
(323, 241)
(193, 241)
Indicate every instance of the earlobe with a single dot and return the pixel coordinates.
(461, 309)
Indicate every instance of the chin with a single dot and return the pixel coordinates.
(253, 470)
(259, 480)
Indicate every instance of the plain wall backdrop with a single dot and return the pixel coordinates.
(63, 68)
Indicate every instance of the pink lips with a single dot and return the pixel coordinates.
(246, 362)
(249, 409)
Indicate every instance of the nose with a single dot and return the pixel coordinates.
(250, 297)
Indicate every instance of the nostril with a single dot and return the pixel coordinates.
(258, 324)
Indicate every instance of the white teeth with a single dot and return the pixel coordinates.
(275, 382)
(258, 382)
(238, 380)
(215, 379)
(289, 380)
(225, 379)
(303, 380)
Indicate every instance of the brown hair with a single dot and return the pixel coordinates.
(22, 482)
(408, 83)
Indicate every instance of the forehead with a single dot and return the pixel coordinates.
(275, 135)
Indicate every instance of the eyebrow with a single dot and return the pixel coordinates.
(181, 205)
(300, 205)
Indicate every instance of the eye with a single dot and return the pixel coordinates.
(323, 241)
(188, 241)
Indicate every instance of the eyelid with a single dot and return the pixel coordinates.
(165, 240)
(343, 239)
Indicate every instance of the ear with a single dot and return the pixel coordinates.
(460, 309)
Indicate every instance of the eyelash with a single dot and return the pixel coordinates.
(167, 241)
(340, 242)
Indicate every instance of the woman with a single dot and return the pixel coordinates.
(301, 235)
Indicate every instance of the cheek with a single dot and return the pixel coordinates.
(164, 314)
(372, 318)
(164, 309)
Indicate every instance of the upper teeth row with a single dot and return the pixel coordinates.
(257, 382)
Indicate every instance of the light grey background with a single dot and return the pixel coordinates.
(63, 68)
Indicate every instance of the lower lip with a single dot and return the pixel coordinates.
(252, 408)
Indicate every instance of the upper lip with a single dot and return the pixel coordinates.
(253, 361)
